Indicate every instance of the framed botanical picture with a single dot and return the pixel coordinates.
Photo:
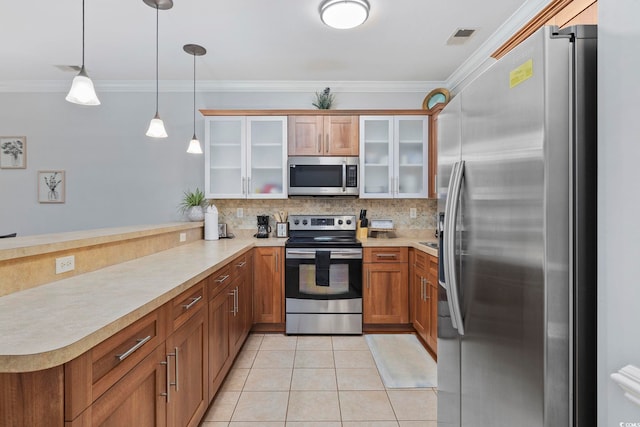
(13, 152)
(51, 186)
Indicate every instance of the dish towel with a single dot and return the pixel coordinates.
(323, 263)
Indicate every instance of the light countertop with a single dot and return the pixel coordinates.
(51, 324)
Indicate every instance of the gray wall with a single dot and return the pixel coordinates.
(618, 205)
(115, 175)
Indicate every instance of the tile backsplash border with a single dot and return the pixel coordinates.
(396, 209)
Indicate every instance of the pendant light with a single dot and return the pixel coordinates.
(82, 91)
(344, 14)
(195, 50)
(156, 126)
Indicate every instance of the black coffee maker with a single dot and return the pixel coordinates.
(263, 227)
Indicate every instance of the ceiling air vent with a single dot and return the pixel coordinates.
(461, 35)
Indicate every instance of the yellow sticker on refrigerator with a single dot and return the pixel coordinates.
(520, 74)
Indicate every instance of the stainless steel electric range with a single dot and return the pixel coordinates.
(323, 275)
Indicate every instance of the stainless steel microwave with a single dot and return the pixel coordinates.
(323, 176)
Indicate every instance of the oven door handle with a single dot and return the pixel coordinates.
(339, 253)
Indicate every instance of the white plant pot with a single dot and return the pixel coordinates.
(195, 213)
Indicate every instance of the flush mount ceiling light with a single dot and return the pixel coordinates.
(82, 91)
(156, 126)
(195, 50)
(344, 14)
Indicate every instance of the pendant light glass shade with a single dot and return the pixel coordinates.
(156, 126)
(344, 14)
(194, 146)
(195, 50)
(82, 91)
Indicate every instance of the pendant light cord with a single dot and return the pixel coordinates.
(194, 94)
(82, 33)
(157, 30)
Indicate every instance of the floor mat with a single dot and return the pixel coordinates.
(402, 361)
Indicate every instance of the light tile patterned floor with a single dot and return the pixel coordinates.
(314, 381)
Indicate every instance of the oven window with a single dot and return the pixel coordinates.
(338, 280)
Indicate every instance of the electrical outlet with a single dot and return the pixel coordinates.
(65, 263)
(183, 237)
(413, 213)
(239, 212)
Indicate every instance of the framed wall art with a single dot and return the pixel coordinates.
(51, 186)
(13, 152)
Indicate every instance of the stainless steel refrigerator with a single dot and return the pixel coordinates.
(517, 195)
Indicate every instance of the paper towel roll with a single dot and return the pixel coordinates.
(211, 223)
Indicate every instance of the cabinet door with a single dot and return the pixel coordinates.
(268, 293)
(219, 361)
(136, 400)
(187, 352)
(224, 151)
(385, 298)
(267, 157)
(419, 317)
(376, 157)
(306, 135)
(340, 136)
(411, 156)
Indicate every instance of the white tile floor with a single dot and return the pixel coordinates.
(321, 381)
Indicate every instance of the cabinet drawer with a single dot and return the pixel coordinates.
(218, 281)
(88, 376)
(433, 266)
(385, 254)
(421, 261)
(239, 266)
(187, 304)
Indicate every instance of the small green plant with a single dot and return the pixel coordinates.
(191, 199)
(324, 99)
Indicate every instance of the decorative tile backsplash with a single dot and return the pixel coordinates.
(396, 209)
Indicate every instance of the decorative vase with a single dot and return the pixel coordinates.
(195, 213)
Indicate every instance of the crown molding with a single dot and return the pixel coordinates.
(481, 59)
(39, 86)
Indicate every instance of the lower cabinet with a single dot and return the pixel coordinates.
(187, 392)
(268, 291)
(385, 294)
(424, 296)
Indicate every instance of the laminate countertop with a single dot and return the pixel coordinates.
(51, 324)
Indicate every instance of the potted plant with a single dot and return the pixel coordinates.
(324, 99)
(192, 205)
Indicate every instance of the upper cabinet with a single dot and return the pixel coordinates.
(323, 135)
(394, 156)
(245, 157)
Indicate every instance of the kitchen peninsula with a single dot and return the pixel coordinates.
(145, 301)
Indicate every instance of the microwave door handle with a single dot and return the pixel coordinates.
(344, 176)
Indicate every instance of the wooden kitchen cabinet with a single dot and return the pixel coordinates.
(424, 297)
(385, 296)
(187, 359)
(268, 292)
(329, 135)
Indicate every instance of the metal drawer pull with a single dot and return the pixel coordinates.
(386, 255)
(222, 279)
(192, 303)
(168, 393)
(242, 264)
(140, 343)
(176, 354)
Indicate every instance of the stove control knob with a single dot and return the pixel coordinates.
(348, 222)
(304, 222)
(296, 221)
(339, 222)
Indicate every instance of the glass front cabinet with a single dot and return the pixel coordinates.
(245, 157)
(394, 157)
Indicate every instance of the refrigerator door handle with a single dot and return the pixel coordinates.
(445, 244)
(453, 201)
